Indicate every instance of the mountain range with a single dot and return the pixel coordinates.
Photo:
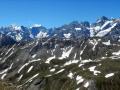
(75, 56)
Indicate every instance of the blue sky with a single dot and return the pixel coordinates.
(52, 13)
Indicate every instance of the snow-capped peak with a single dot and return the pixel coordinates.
(36, 25)
(15, 27)
(41, 35)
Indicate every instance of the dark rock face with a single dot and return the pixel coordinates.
(6, 40)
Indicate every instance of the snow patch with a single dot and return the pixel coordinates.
(26, 64)
(78, 89)
(42, 35)
(86, 84)
(30, 69)
(86, 61)
(109, 75)
(92, 69)
(80, 65)
(81, 52)
(95, 44)
(71, 62)
(97, 28)
(49, 59)
(34, 60)
(116, 53)
(22, 67)
(91, 32)
(20, 78)
(60, 71)
(3, 76)
(18, 37)
(52, 70)
(7, 57)
(77, 29)
(31, 36)
(106, 43)
(12, 48)
(30, 80)
(75, 56)
(70, 75)
(33, 56)
(67, 35)
(4, 71)
(79, 79)
(66, 54)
